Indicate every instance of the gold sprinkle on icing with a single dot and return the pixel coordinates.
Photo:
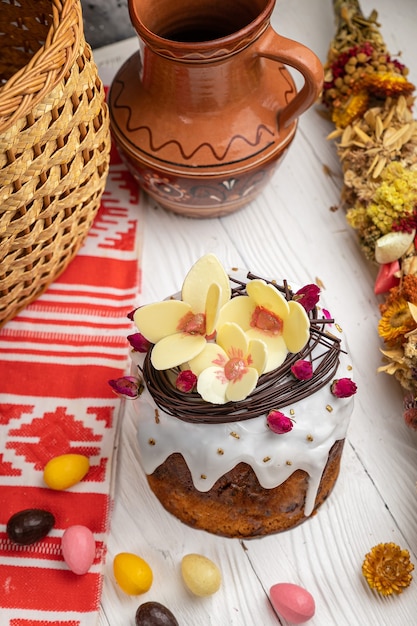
(157, 420)
(203, 476)
(292, 412)
(288, 462)
(266, 459)
(152, 442)
(220, 451)
(349, 368)
(310, 438)
(339, 328)
(235, 435)
(329, 408)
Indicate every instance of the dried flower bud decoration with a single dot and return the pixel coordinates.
(139, 343)
(127, 386)
(387, 569)
(307, 296)
(186, 381)
(410, 411)
(131, 314)
(279, 423)
(343, 388)
(302, 370)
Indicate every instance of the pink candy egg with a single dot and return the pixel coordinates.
(293, 603)
(78, 548)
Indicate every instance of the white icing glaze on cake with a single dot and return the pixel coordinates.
(211, 450)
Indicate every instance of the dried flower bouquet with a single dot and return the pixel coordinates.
(370, 100)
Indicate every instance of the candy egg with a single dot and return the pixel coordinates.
(293, 603)
(200, 575)
(28, 526)
(66, 470)
(154, 614)
(78, 548)
(132, 573)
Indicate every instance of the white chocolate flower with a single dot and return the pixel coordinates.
(265, 314)
(180, 328)
(228, 370)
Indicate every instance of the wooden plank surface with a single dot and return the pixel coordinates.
(287, 232)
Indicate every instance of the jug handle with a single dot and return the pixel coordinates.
(277, 48)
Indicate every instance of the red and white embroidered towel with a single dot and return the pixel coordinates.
(56, 357)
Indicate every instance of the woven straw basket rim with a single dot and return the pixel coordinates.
(54, 146)
(48, 65)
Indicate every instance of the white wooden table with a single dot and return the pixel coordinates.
(289, 232)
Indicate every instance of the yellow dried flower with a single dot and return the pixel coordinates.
(396, 321)
(395, 198)
(355, 107)
(387, 568)
(388, 84)
(358, 218)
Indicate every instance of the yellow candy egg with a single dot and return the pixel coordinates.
(66, 470)
(201, 576)
(132, 573)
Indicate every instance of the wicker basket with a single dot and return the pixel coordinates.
(54, 145)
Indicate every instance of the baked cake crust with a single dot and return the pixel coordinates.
(237, 505)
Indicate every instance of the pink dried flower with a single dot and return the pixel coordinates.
(308, 296)
(186, 381)
(279, 423)
(303, 370)
(139, 342)
(343, 388)
(127, 386)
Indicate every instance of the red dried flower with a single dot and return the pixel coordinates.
(308, 296)
(343, 388)
(279, 423)
(186, 381)
(127, 386)
(410, 411)
(131, 314)
(303, 370)
(406, 224)
(139, 342)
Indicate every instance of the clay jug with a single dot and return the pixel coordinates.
(206, 108)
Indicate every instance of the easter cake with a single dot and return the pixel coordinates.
(244, 402)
